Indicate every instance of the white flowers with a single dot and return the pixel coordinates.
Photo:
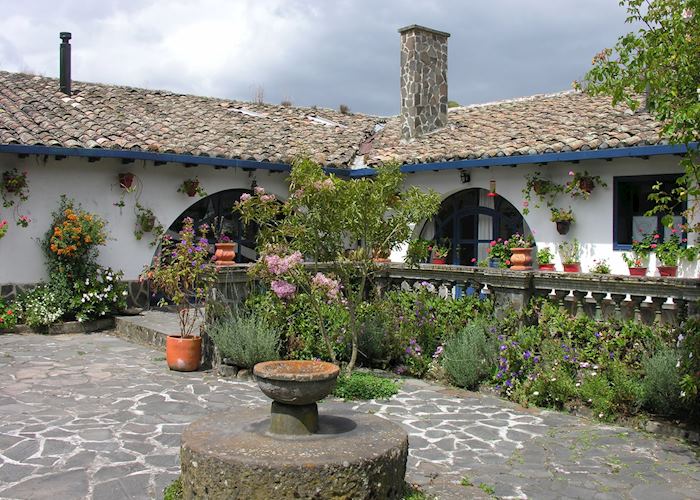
(687, 13)
(536, 393)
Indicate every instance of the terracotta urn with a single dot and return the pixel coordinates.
(521, 259)
(667, 271)
(638, 271)
(574, 267)
(183, 354)
(225, 253)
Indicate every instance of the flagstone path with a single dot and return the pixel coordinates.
(93, 416)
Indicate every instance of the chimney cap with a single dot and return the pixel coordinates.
(418, 27)
(65, 36)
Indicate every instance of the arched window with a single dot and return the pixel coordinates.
(470, 220)
(217, 208)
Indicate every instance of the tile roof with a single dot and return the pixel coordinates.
(34, 112)
(567, 121)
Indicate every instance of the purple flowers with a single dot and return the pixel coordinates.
(527, 354)
(278, 265)
(328, 286)
(283, 289)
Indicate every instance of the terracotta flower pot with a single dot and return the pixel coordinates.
(574, 267)
(438, 260)
(225, 253)
(521, 259)
(563, 226)
(191, 188)
(638, 271)
(539, 186)
(148, 223)
(668, 271)
(183, 354)
(586, 185)
(126, 180)
(547, 267)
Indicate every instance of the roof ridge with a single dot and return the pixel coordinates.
(533, 97)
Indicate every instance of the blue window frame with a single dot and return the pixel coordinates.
(631, 200)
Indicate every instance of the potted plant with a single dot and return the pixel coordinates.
(3, 228)
(545, 258)
(583, 184)
(545, 189)
(563, 219)
(570, 252)
(670, 252)
(418, 252)
(439, 253)
(146, 222)
(499, 253)
(191, 187)
(183, 272)
(126, 180)
(14, 184)
(637, 262)
(225, 251)
(520, 247)
(600, 267)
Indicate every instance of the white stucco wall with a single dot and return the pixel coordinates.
(96, 186)
(594, 217)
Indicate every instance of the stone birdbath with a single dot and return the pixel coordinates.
(295, 387)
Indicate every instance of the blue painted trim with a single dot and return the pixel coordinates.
(144, 155)
(638, 151)
(594, 154)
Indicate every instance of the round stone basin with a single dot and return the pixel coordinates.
(296, 382)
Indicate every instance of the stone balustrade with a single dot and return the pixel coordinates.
(645, 299)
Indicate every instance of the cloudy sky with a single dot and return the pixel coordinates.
(311, 52)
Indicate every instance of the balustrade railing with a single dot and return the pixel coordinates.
(645, 299)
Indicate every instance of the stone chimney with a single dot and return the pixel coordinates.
(423, 80)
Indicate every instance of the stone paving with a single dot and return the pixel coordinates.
(93, 416)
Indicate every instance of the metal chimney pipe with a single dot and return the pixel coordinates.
(65, 62)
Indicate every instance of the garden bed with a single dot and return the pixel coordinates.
(67, 327)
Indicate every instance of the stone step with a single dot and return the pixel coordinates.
(149, 328)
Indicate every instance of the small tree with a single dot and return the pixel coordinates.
(343, 223)
(659, 65)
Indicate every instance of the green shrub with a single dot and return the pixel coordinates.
(662, 383)
(245, 338)
(8, 316)
(43, 305)
(174, 490)
(470, 355)
(365, 386)
(374, 339)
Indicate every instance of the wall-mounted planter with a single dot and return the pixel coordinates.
(563, 226)
(126, 180)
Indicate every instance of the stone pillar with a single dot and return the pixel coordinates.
(423, 80)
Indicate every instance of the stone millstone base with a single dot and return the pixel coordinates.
(231, 455)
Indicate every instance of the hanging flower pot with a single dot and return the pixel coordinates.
(191, 188)
(126, 180)
(586, 184)
(521, 259)
(638, 271)
(225, 253)
(573, 267)
(539, 186)
(667, 271)
(563, 226)
(183, 354)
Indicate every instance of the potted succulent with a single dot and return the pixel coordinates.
(191, 188)
(183, 272)
(570, 252)
(520, 247)
(583, 184)
(439, 253)
(563, 219)
(545, 258)
(499, 253)
(638, 261)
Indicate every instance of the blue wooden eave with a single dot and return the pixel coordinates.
(569, 156)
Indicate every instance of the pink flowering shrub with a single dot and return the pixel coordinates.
(283, 289)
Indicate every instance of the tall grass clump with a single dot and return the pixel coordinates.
(662, 383)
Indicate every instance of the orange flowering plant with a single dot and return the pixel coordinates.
(8, 317)
(71, 242)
